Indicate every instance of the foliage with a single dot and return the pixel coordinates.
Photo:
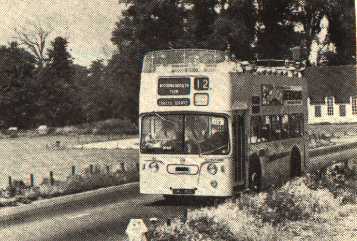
(276, 34)
(101, 177)
(16, 85)
(303, 209)
(39, 88)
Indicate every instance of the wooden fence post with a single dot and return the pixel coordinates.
(73, 170)
(10, 182)
(31, 180)
(91, 168)
(52, 181)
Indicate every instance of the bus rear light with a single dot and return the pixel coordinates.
(154, 166)
(212, 169)
(144, 166)
(214, 184)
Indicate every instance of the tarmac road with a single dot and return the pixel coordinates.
(96, 220)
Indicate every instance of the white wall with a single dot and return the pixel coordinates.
(335, 118)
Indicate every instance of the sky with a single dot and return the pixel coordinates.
(87, 24)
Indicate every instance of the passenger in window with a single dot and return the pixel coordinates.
(196, 131)
(265, 132)
(285, 127)
(276, 128)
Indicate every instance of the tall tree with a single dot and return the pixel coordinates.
(146, 25)
(35, 38)
(276, 34)
(341, 18)
(201, 16)
(234, 27)
(16, 90)
(343, 32)
(95, 93)
(59, 102)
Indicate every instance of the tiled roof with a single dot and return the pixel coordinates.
(338, 81)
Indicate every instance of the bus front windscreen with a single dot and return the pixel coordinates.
(184, 134)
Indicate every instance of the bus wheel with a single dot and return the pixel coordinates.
(255, 176)
(295, 163)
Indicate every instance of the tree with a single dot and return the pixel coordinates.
(276, 34)
(341, 18)
(342, 32)
(58, 99)
(34, 38)
(95, 93)
(16, 90)
(235, 27)
(146, 25)
(201, 16)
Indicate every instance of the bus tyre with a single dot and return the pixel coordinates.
(255, 175)
(295, 163)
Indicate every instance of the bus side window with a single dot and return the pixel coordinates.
(255, 125)
(296, 122)
(275, 127)
(285, 127)
(265, 131)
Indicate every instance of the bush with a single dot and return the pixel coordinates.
(115, 126)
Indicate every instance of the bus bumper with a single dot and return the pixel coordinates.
(186, 185)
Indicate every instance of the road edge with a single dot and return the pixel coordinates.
(85, 199)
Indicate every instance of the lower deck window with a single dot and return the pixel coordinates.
(276, 127)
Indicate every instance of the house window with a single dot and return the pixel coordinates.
(342, 110)
(317, 110)
(330, 105)
(354, 105)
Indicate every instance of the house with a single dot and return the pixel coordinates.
(332, 94)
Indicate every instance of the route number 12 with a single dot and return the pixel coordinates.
(201, 83)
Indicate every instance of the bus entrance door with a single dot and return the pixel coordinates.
(239, 148)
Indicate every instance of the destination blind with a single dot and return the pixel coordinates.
(174, 86)
(173, 102)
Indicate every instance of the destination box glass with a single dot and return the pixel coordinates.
(173, 102)
(174, 86)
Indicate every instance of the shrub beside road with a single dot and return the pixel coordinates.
(92, 178)
(318, 206)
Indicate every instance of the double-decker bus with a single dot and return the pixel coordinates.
(212, 126)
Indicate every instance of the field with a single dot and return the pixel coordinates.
(39, 155)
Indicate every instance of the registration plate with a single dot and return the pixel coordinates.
(183, 191)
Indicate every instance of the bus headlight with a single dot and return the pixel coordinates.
(154, 166)
(214, 184)
(212, 169)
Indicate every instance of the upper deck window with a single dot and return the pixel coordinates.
(181, 58)
(272, 95)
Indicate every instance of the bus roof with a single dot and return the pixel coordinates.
(206, 60)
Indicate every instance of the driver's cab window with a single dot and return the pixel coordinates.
(162, 132)
(205, 133)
